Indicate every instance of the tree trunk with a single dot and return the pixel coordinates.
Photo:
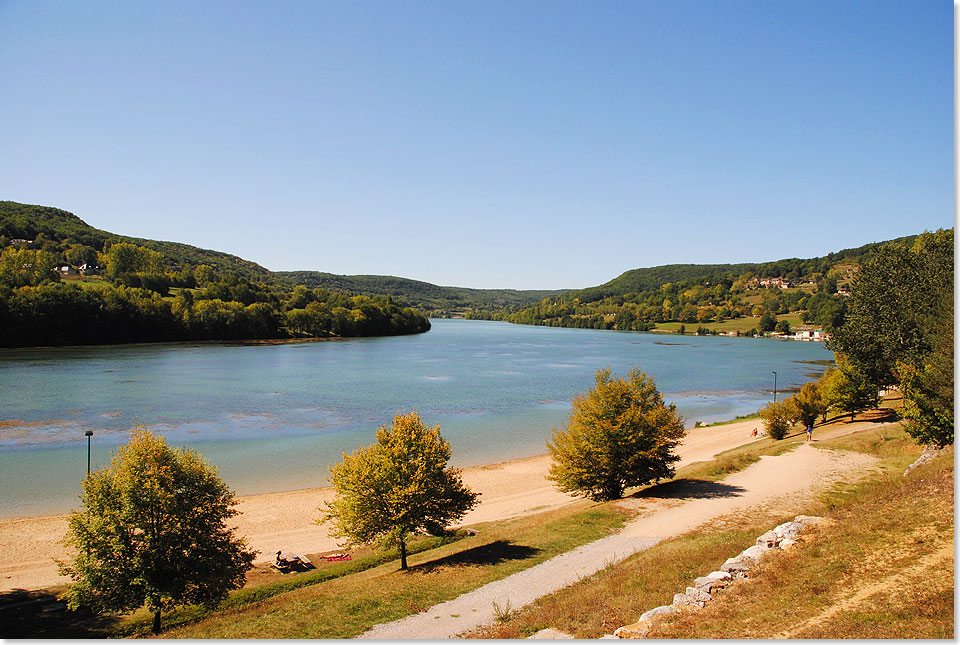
(403, 555)
(156, 622)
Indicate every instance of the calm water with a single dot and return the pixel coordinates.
(273, 418)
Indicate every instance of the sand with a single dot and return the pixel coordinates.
(286, 521)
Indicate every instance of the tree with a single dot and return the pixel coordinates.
(778, 418)
(894, 304)
(768, 321)
(152, 531)
(809, 404)
(928, 390)
(620, 434)
(387, 491)
(847, 389)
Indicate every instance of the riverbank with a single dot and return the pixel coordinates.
(286, 521)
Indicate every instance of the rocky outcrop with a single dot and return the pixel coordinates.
(928, 454)
(701, 592)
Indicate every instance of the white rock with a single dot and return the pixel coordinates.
(698, 595)
(787, 543)
(719, 575)
(770, 539)
(657, 611)
(754, 552)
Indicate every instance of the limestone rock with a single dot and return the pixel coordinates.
(788, 530)
(705, 583)
(719, 575)
(787, 543)
(698, 595)
(770, 539)
(737, 565)
(807, 520)
(637, 630)
(657, 611)
(754, 552)
(686, 600)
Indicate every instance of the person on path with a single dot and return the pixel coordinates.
(810, 433)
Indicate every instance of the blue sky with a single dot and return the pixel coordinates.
(524, 144)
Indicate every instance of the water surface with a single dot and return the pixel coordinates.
(274, 417)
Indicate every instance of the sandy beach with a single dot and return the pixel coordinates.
(286, 521)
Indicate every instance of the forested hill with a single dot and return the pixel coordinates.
(423, 295)
(640, 280)
(44, 223)
(63, 282)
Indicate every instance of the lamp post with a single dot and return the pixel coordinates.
(88, 433)
(774, 387)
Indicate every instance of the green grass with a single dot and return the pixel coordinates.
(347, 606)
(736, 324)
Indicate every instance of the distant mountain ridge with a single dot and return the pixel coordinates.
(29, 221)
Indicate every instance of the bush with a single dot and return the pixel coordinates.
(778, 418)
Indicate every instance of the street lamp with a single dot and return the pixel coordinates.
(774, 387)
(88, 433)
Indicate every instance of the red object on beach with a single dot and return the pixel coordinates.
(336, 557)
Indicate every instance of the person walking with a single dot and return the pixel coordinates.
(810, 433)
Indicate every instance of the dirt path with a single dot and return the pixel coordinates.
(782, 483)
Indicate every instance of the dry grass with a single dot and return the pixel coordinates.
(883, 568)
(880, 567)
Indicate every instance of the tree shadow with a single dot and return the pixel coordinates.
(39, 614)
(689, 489)
(485, 554)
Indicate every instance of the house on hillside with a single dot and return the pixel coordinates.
(66, 269)
(90, 269)
(776, 282)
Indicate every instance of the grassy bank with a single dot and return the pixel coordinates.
(881, 567)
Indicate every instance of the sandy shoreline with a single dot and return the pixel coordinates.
(286, 521)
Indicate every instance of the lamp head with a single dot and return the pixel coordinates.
(88, 433)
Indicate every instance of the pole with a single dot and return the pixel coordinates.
(774, 387)
(88, 433)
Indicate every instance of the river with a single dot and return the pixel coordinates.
(274, 417)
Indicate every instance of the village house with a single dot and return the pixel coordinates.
(776, 282)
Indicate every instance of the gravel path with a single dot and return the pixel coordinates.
(480, 605)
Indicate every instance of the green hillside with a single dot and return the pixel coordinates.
(44, 224)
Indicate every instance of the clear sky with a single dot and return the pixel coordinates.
(529, 144)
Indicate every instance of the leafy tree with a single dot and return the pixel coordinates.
(894, 304)
(124, 258)
(397, 486)
(24, 267)
(847, 389)
(928, 393)
(153, 531)
(809, 404)
(768, 322)
(620, 434)
(783, 327)
(778, 418)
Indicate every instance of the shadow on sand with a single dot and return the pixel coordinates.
(689, 489)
